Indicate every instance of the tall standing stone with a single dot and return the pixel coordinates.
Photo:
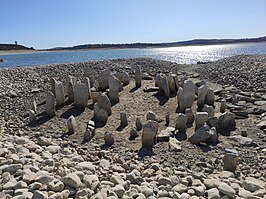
(186, 95)
(230, 160)
(123, 77)
(167, 119)
(208, 109)
(210, 98)
(71, 124)
(123, 120)
(50, 104)
(59, 94)
(171, 84)
(108, 138)
(200, 119)
(190, 115)
(80, 95)
(103, 79)
(113, 93)
(104, 103)
(70, 91)
(166, 87)
(100, 114)
(138, 77)
(181, 122)
(88, 85)
(34, 106)
(202, 91)
(223, 106)
(52, 82)
(149, 134)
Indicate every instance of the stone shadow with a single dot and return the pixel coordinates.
(226, 132)
(161, 98)
(181, 136)
(134, 89)
(42, 118)
(145, 151)
(75, 111)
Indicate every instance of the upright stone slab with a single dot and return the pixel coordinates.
(138, 124)
(70, 91)
(103, 80)
(151, 116)
(149, 134)
(166, 87)
(200, 119)
(100, 114)
(52, 82)
(113, 93)
(171, 84)
(186, 95)
(230, 160)
(104, 103)
(208, 109)
(202, 91)
(90, 131)
(59, 94)
(226, 121)
(210, 98)
(190, 115)
(138, 77)
(50, 104)
(80, 95)
(88, 85)
(89, 72)
(123, 120)
(213, 122)
(167, 119)
(223, 106)
(159, 80)
(123, 77)
(108, 138)
(181, 122)
(71, 124)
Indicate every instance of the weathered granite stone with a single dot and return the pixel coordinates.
(181, 122)
(151, 116)
(108, 138)
(59, 94)
(210, 98)
(50, 104)
(208, 109)
(186, 95)
(202, 91)
(100, 114)
(88, 85)
(70, 91)
(52, 81)
(200, 119)
(226, 121)
(138, 124)
(113, 93)
(123, 77)
(201, 135)
(230, 160)
(174, 145)
(133, 133)
(214, 136)
(32, 117)
(123, 120)
(223, 106)
(165, 86)
(71, 124)
(138, 77)
(104, 103)
(103, 79)
(91, 74)
(190, 115)
(95, 95)
(149, 134)
(80, 95)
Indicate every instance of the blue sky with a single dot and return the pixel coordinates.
(52, 23)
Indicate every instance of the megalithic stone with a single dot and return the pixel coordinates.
(123, 120)
(52, 81)
(210, 98)
(181, 122)
(114, 86)
(88, 85)
(81, 95)
(103, 79)
(202, 91)
(50, 104)
(71, 124)
(200, 119)
(186, 95)
(230, 160)
(138, 77)
(32, 117)
(138, 124)
(223, 106)
(149, 133)
(59, 94)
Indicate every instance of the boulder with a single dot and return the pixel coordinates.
(50, 104)
(71, 124)
(212, 122)
(201, 135)
(149, 133)
(181, 122)
(123, 77)
(214, 136)
(103, 80)
(186, 95)
(226, 121)
(80, 95)
(104, 103)
(230, 159)
(100, 114)
(200, 119)
(123, 120)
(59, 94)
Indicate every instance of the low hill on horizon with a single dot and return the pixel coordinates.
(14, 47)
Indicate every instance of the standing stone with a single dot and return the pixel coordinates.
(190, 115)
(71, 124)
(176, 82)
(171, 84)
(100, 114)
(91, 74)
(208, 109)
(34, 106)
(151, 116)
(113, 93)
(213, 122)
(95, 95)
(200, 119)
(186, 95)
(138, 124)
(103, 79)
(230, 160)
(210, 98)
(108, 138)
(32, 117)
(167, 119)
(157, 80)
(123, 77)
(202, 91)
(223, 106)
(104, 103)
(214, 136)
(80, 95)
(181, 122)
(201, 135)
(59, 94)
(50, 104)
(70, 91)
(90, 131)
(166, 87)
(226, 121)
(88, 85)
(149, 134)
(123, 120)
(234, 99)
(52, 81)
(138, 77)
(133, 133)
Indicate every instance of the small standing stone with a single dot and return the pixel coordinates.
(200, 119)
(230, 160)
(138, 124)
(190, 115)
(100, 114)
(133, 133)
(123, 77)
(52, 81)
(88, 85)
(210, 98)
(186, 95)
(212, 122)
(151, 116)
(71, 124)
(104, 103)
(103, 79)
(223, 106)
(171, 84)
(181, 122)
(70, 91)
(138, 77)
(113, 93)
(32, 117)
(90, 131)
(208, 109)
(50, 104)
(226, 121)
(166, 87)
(202, 91)
(59, 94)
(123, 120)
(109, 138)
(149, 134)
(81, 95)
(167, 119)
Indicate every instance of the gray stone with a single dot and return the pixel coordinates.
(71, 124)
(201, 135)
(95, 95)
(230, 160)
(34, 106)
(166, 89)
(226, 121)
(200, 119)
(88, 135)
(138, 124)
(212, 122)
(59, 94)
(181, 122)
(208, 109)
(210, 98)
(113, 93)
(253, 184)
(100, 114)
(32, 117)
(80, 95)
(151, 116)
(88, 85)
(245, 141)
(123, 120)
(174, 145)
(103, 79)
(104, 103)
(40, 195)
(223, 106)
(123, 77)
(52, 82)
(70, 91)
(133, 133)
(56, 185)
(186, 95)
(171, 84)
(202, 91)
(227, 190)
(108, 138)
(50, 104)
(167, 119)
(149, 133)
(71, 180)
(119, 190)
(138, 77)
(214, 135)
(213, 193)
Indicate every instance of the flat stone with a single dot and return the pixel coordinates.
(245, 141)
(227, 190)
(252, 184)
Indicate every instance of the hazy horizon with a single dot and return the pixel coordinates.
(61, 23)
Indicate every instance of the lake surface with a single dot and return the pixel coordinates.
(183, 55)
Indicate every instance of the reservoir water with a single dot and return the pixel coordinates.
(182, 55)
